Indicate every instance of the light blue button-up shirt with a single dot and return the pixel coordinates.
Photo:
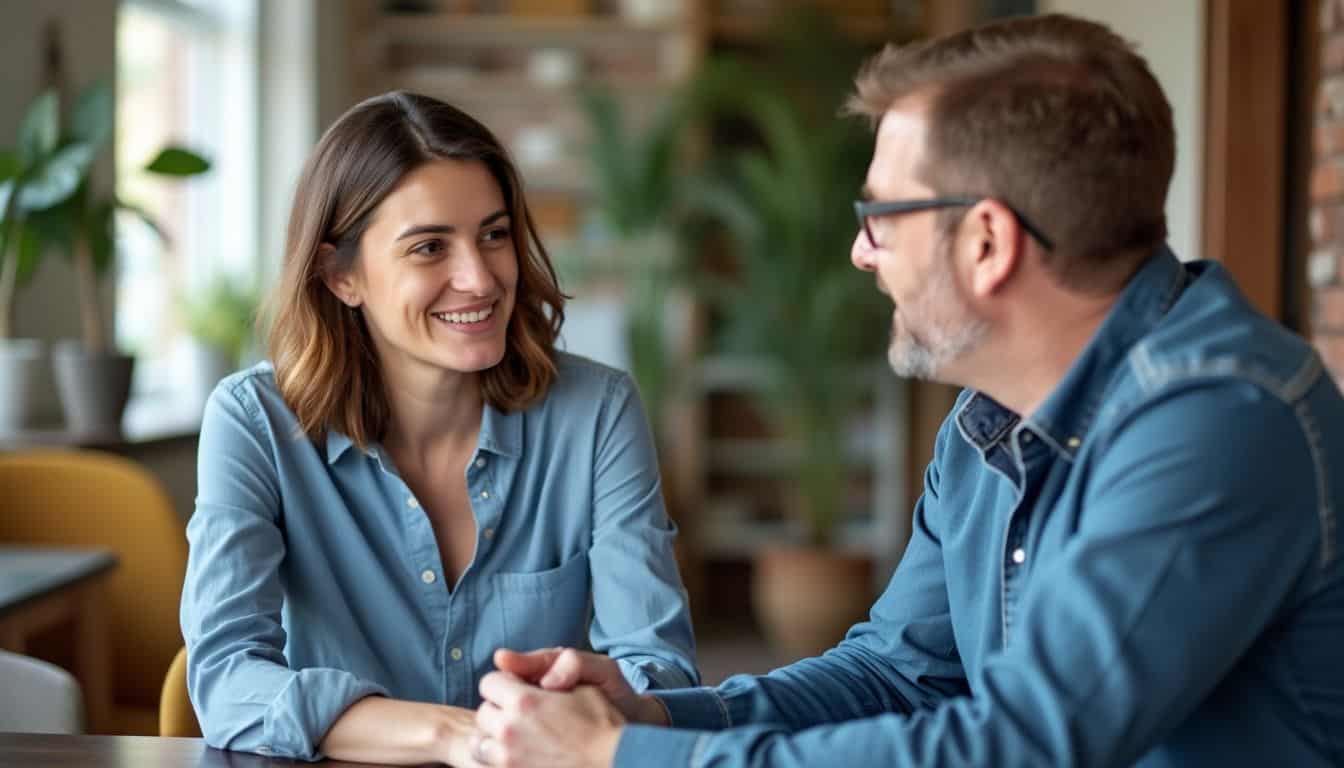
(315, 578)
(1148, 570)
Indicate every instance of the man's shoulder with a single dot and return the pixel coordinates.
(1212, 334)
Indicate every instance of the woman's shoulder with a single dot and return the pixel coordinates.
(586, 379)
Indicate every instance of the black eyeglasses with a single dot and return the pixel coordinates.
(863, 209)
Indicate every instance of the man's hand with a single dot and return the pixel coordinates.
(522, 725)
(563, 669)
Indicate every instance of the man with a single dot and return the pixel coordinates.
(1128, 550)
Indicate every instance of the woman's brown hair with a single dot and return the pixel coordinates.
(325, 365)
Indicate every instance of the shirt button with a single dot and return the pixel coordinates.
(427, 576)
(480, 463)
(1019, 555)
(456, 653)
(412, 503)
(1026, 437)
(485, 494)
(1074, 442)
(489, 533)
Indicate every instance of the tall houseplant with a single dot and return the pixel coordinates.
(40, 172)
(93, 379)
(814, 324)
(638, 196)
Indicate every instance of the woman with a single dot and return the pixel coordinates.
(420, 478)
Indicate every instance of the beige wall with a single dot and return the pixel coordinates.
(1170, 35)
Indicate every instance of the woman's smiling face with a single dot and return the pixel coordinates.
(437, 271)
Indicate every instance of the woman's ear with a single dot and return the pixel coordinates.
(341, 283)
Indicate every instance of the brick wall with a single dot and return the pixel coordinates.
(1325, 266)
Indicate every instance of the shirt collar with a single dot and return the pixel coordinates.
(501, 434)
(1066, 415)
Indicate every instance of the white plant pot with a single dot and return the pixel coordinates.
(23, 373)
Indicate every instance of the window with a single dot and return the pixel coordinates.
(186, 75)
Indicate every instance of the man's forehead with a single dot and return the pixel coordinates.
(897, 151)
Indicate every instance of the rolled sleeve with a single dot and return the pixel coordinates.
(640, 613)
(245, 695)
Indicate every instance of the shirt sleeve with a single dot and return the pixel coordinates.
(245, 695)
(902, 659)
(640, 613)
(1185, 551)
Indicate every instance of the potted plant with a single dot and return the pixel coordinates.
(34, 176)
(93, 379)
(220, 319)
(813, 325)
(638, 203)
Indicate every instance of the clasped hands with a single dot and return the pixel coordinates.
(556, 708)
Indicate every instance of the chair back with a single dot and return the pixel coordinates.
(89, 499)
(38, 697)
(176, 717)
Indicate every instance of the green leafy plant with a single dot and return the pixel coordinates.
(639, 195)
(48, 202)
(793, 302)
(222, 316)
(41, 172)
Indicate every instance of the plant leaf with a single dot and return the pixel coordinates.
(9, 164)
(57, 178)
(29, 253)
(99, 222)
(91, 116)
(40, 129)
(144, 216)
(175, 161)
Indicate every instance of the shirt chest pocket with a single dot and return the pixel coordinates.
(545, 608)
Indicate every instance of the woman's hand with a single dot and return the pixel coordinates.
(377, 729)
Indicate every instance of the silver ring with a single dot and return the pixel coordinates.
(478, 751)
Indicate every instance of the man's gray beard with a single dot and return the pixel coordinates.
(915, 359)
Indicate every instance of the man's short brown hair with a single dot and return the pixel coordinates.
(1056, 116)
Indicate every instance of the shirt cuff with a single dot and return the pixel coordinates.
(639, 742)
(299, 718)
(695, 708)
(648, 673)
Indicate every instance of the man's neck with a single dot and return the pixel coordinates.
(1025, 361)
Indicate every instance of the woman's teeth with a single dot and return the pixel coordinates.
(464, 318)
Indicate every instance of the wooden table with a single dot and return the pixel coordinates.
(41, 588)
(40, 750)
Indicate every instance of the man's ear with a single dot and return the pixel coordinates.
(341, 283)
(996, 241)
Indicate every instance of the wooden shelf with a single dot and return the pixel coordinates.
(743, 29)
(499, 30)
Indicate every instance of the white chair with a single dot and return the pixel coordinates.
(38, 697)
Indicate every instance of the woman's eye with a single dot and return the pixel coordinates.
(428, 248)
(497, 234)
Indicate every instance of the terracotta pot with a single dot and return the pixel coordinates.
(806, 599)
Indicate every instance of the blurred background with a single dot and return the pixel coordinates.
(693, 186)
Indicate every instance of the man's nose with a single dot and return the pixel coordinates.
(861, 254)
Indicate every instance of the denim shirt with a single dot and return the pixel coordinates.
(315, 578)
(1145, 571)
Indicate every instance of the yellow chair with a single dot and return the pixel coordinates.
(98, 500)
(176, 717)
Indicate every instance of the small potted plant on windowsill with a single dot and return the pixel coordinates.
(220, 319)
